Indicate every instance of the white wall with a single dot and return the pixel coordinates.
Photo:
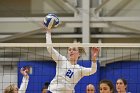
(8, 75)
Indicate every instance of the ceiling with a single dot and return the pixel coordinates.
(104, 21)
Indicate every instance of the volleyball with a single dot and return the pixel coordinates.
(51, 21)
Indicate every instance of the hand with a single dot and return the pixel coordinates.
(24, 72)
(43, 26)
(94, 52)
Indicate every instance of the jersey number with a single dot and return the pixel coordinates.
(69, 73)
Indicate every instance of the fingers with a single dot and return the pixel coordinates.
(23, 72)
(43, 26)
(95, 51)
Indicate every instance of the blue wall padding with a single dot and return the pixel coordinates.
(124, 69)
(45, 71)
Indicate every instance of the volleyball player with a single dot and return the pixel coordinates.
(45, 87)
(90, 88)
(121, 86)
(14, 89)
(106, 86)
(68, 72)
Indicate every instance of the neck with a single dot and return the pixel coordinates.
(122, 92)
(73, 62)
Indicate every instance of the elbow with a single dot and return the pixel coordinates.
(94, 70)
(91, 72)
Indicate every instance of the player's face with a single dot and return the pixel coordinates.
(104, 88)
(73, 53)
(15, 89)
(120, 86)
(44, 91)
(90, 89)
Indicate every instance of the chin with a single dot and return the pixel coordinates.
(118, 90)
(71, 57)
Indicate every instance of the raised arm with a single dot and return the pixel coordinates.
(93, 69)
(25, 80)
(54, 54)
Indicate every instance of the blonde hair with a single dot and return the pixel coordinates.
(82, 50)
(10, 89)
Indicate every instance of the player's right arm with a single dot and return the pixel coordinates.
(54, 54)
(24, 82)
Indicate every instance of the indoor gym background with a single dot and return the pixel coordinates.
(87, 21)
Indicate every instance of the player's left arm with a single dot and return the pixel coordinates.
(94, 55)
(93, 69)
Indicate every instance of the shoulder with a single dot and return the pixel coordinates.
(78, 66)
(64, 58)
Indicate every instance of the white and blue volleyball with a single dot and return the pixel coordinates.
(51, 21)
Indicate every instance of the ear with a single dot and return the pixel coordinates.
(79, 55)
(125, 87)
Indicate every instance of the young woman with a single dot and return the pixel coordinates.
(68, 72)
(121, 85)
(90, 88)
(45, 87)
(14, 89)
(106, 86)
